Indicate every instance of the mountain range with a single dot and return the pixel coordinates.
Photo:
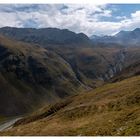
(45, 36)
(125, 38)
(57, 74)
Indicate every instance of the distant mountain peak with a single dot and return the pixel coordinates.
(137, 29)
(45, 36)
(125, 38)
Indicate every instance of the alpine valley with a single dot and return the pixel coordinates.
(55, 82)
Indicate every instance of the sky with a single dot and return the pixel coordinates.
(91, 19)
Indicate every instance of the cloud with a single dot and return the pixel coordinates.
(132, 22)
(78, 18)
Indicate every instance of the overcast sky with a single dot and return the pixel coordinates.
(90, 19)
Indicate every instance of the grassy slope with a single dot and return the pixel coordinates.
(113, 109)
(30, 75)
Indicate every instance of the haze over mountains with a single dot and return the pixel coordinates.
(55, 36)
(125, 38)
(41, 67)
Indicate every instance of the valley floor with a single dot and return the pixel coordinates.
(110, 110)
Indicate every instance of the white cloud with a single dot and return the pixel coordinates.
(132, 22)
(8, 19)
(121, 17)
(78, 18)
(136, 15)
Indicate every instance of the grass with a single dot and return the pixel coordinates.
(32, 75)
(110, 110)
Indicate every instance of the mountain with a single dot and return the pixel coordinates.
(129, 37)
(130, 71)
(63, 37)
(102, 39)
(110, 110)
(56, 77)
(45, 36)
(90, 62)
(95, 65)
(125, 38)
(31, 75)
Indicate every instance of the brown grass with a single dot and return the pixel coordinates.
(112, 109)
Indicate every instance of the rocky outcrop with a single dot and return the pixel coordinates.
(116, 67)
